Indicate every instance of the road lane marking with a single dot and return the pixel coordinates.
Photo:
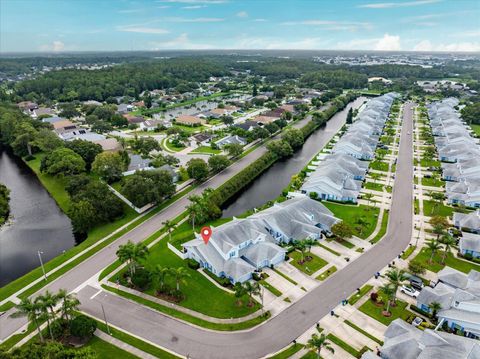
(93, 296)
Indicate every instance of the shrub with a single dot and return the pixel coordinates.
(468, 256)
(141, 278)
(374, 296)
(29, 158)
(193, 264)
(256, 276)
(57, 328)
(420, 311)
(83, 326)
(313, 195)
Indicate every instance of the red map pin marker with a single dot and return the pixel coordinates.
(206, 233)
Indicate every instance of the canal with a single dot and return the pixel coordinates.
(270, 184)
(36, 223)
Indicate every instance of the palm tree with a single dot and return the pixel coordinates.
(396, 277)
(433, 246)
(375, 177)
(70, 303)
(309, 243)
(180, 274)
(140, 251)
(251, 289)
(169, 225)
(368, 197)
(159, 274)
(29, 309)
(438, 197)
(44, 303)
(448, 242)
(388, 291)
(317, 342)
(239, 292)
(125, 254)
(302, 247)
(435, 307)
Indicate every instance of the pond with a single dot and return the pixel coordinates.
(36, 223)
(270, 184)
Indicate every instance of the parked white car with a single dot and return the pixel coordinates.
(412, 292)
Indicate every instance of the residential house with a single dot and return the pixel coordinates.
(238, 248)
(404, 341)
(28, 107)
(231, 139)
(459, 296)
(53, 119)
(124, 108)
(467, 221)
(151, 125)
(42, 111)
(109, 144)
(265, 120)
(247, 125)
(469, 243)
(137, 163)
(135, 119)
(202, 139)
(188, 120)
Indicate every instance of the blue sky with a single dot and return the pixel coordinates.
(102, 25)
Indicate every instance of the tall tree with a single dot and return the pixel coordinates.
(317, 343)
(31, 310)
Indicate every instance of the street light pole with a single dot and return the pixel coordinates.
(105, 318)
(41, 264)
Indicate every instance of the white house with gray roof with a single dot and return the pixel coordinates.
(459, 296)
(404, 341)
(238, 248)
(469, 243)
(467, 221)
(339, 176)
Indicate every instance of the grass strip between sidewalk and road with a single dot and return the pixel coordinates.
(357, 295)
(367, 334)
(270, 288)
(288, 352)
(383, 228)
(189, 318)
(285, 276)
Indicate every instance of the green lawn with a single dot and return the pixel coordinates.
(353, 214)
(374, 186)
(329, 249)
(432, 208)
(106, 350)
(271, 288)
(367, 334)
(309, 267)
(189, 129)
(326, 273)
(408, 252)
(200, 294)
(383, 228)
(379, 166)
(138, 343)
(432, 182)
(345, 243)
(189, 318)
(476, 129)
(451, 261)
(399, 311)
(285, 276)
(345, 346)
(206, 149)
(429, 163)
(357, 295)
(288, 352)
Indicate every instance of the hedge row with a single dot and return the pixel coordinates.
(235, 184)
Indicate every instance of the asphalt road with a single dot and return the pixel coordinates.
(276, 333)
(91, 266)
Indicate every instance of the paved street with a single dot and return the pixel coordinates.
(288, 325)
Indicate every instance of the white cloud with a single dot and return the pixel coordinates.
(385, 43)
(259, 20)
(55, 46)
(272, 43)
(142, 29)
(182, 42)
(388, 43)
(129, 11)
(424, 45)
(163, 7)
(242, 14)
(332, 25)
(388, 5)
(473, 33)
